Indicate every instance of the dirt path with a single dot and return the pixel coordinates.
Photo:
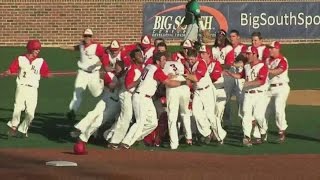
(131, 164)
(304, 97)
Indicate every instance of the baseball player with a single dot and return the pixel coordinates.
(161, 47)
(257, 42)
(255, 98)
(180, 56)
(92, 56)
(115, 53)
(29, 68)
(130, 83)
(215, 72)
(239, 49)
(279, 87)
(224, 53)
(193, 21)
(203, 104)
(157, 41)
(177, 101)
(106, 109)
(143, 107)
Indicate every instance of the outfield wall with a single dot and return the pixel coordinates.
(61, 23)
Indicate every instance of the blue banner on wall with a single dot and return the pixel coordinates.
(279, 20)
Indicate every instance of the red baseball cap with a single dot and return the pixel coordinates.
(275, 44)
(187, 44)
(205, 49)
(252, 50)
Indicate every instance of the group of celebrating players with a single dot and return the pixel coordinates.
(146, 91)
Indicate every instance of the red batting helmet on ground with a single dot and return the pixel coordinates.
(80, 148)
(33, 45)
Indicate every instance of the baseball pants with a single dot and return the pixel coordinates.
(84, 80)
(26, 99)
(106, 110)
(123, 122)
(203, 107)
(178, 100)
(254, 108)
(279, 96)
(146, 119)
(192, 32)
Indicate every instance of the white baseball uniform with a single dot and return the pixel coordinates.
(123, 122)
(255, 99)
(226, 56)
(177, 100)
(88, 73)
(215, 71)
(203, 104)
(106, 110)
(279, 90)
(237, 90)
(143, 107)
(263, 52)
(29, 74)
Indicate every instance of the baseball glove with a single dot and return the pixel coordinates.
(206, 36)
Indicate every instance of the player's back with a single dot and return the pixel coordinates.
(175, 68)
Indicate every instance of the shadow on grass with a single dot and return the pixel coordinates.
(54, 126)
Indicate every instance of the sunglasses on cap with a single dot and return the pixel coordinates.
(86, 35)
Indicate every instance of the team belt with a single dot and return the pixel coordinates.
(220, 87)
(88, 71)
(113, 99)
(200, 89)
(253, 91)
(148, 96)
(26, 85)
(275, 85)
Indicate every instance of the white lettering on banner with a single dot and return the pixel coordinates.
(263, 19)
(165, 26)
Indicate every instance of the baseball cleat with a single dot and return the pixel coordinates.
(124, 146)
(76, 133)
(257, 141)
(246, 142)
(189, 142)
(282, 137)
(12, 132)
(264, 137)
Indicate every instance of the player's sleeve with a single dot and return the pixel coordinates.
(230, 58)
(128, 48)
(174, 57)
(265, 54)
(263, 74)
(243, 74)
(159, 75)
(129, 78)
(104, 58)
(44, 70)
(283, 64)
(14, 66)
(216, 73)
(107, 79)
(126, 59)
(201, 70)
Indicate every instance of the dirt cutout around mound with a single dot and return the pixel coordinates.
(304, 97)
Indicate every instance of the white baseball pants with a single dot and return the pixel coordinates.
(84, 80)
(146, 119)
(178, 100)
(26, 99)
(254, 108)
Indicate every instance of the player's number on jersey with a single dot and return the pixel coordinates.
(174, 68)
(145, 72)
(24, 74)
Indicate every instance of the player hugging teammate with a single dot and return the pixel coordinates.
(147, 94)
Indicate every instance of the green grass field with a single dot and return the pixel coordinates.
(50, 128)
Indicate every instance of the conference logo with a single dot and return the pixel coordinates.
(164, 23)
